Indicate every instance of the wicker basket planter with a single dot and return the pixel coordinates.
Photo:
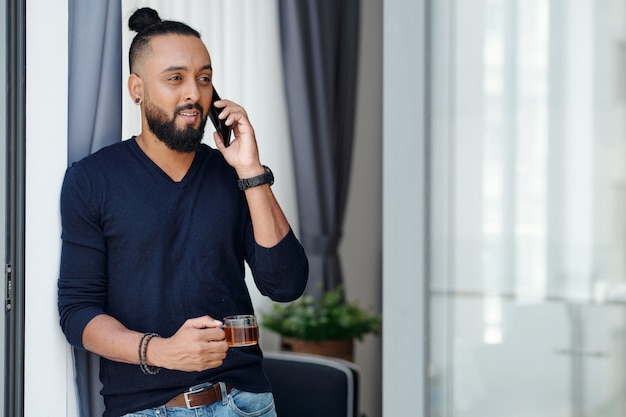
(342, 348)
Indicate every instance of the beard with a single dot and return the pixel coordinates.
(185, 140)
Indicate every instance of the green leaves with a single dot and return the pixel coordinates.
(326, 318)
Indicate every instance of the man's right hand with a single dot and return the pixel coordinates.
(199, 344)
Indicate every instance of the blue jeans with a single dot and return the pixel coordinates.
(236, 404)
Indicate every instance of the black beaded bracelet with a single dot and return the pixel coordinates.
(142, 349)
(139, 355)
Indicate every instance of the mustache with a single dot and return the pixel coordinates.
(190, 106)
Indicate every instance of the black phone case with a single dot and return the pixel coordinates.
(220, 126)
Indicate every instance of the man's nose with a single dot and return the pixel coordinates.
(192, 92)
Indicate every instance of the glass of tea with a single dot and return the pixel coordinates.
(241, 330)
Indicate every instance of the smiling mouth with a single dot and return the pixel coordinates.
(189, 116)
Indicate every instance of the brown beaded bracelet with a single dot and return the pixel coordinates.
(141, 351)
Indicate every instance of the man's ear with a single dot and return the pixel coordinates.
(135, 88)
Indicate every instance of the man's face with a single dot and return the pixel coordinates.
(181, 139)
(178, 90)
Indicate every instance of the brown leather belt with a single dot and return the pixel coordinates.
(198, 398)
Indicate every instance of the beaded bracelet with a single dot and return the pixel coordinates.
(141, 351)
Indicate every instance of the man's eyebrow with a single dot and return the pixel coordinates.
(175, 68)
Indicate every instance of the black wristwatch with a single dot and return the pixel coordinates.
(265, 178)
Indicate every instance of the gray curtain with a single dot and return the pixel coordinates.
(95, 76)
(320, 42)
(95, 120)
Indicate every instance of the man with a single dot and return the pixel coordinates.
(156, 230)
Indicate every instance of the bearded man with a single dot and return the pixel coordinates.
(156, 231)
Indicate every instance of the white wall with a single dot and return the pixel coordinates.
(47, 363)
(404, 208)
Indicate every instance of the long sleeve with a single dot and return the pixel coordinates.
(280, 272)
(82, 279)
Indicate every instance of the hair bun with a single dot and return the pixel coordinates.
(142, 18)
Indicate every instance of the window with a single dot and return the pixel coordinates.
(527, 288)
(3, 184)
(12, 55)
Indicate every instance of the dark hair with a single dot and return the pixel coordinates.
(147, 23)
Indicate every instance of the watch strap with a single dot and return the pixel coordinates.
(266, 178)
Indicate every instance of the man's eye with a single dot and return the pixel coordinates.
(205, 79)
(175, 78)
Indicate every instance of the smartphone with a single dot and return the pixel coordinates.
(221, 128)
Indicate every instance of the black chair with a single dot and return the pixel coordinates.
(312, 386)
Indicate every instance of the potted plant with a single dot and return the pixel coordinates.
(326, 325)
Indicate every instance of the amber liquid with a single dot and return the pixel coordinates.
(242, 335)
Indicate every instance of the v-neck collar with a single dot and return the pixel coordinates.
(136, 149)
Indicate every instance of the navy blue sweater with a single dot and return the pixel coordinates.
(153, 253)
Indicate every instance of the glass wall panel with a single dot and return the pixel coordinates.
(528, 202)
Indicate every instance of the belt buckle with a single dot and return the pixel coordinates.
(195, 391)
